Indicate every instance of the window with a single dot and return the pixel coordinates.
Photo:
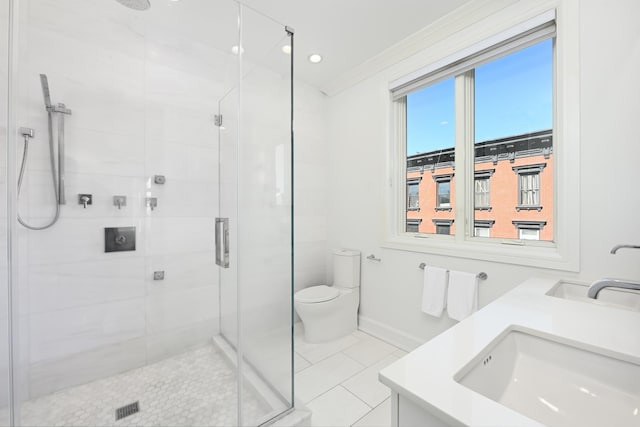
(443, 192)
(529, 230)
(529, 190)
(529, 186)
(413, 194)
(487, 111)
(481, 187)
(443, 226)
(526, 234)
(482, 228)
(413, 225)
(481, 232)
(501, 100)
(429, 126)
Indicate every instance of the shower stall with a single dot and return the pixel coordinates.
(146, 269)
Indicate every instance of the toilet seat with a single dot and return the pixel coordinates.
(316, 294)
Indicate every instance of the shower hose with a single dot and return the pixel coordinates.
(23, 166)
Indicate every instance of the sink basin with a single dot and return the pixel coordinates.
(556, 383)
(613, 297)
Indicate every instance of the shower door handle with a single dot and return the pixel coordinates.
(222, 242)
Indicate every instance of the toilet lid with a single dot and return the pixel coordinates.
(320, 293)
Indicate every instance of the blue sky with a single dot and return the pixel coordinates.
(513, 95)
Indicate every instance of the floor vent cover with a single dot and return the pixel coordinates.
(127, 410)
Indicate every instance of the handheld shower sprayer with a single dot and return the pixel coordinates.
(57, 174)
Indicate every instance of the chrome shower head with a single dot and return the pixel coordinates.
(135, 4)
(45, 91)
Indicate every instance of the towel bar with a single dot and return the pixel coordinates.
(482, 275)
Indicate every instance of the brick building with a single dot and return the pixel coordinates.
(513, 189)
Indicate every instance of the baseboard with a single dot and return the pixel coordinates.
(391, 335)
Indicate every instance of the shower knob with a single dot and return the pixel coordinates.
(120, 239)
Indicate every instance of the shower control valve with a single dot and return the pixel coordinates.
(152, 202)
(119, 201)
(85, 199)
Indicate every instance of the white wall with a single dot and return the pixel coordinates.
(359, 121)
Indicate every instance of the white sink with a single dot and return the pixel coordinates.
(556, 383)
(612, 297)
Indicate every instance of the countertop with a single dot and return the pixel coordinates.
(426, 375)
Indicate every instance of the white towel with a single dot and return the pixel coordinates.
(462, 298)
(434, 290)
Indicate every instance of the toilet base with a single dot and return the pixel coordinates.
(327, 330)
(329, 320)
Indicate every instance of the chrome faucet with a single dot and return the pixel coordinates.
(616, 247)
(599, 285)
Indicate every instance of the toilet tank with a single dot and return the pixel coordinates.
(346, 268)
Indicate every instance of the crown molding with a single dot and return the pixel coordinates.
(454, 22)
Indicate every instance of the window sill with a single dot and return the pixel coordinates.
(413, 209)
(483, 208)
(518, 252)
(443, 209)
(528, 208)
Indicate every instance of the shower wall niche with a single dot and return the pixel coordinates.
(145, 88)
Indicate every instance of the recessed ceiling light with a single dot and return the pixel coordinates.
(236, 49)
(315, 58)
(286, 49)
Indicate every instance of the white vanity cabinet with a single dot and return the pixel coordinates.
(405, 413)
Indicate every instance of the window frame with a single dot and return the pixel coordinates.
(561, 254)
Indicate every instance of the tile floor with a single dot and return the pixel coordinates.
(338, 380)
(197, 388)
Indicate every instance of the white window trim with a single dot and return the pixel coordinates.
(563, 254)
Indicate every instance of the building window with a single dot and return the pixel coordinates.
(443, 192)
(481, 197)
(413, 225)
(443, 226)
(529, 186)
(529, 230)
(482, 228)
(527, 234)
(413, 194)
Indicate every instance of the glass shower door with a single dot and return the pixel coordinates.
(255, 212)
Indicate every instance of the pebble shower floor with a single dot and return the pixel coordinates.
(197, 388)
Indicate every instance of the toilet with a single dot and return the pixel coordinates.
(330, 312)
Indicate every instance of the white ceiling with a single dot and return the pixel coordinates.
(348, 32)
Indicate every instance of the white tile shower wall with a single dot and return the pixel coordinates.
(140, 108)
(359, 127)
